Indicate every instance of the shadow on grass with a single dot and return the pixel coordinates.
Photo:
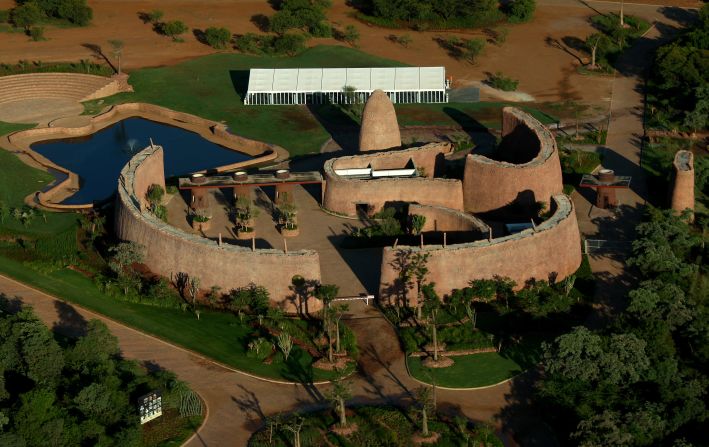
(240, 82)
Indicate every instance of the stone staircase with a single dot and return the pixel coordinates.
(78, 87)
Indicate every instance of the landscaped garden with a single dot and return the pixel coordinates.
(487, 332)
(375, 425)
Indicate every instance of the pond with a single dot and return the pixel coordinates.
(99, 158)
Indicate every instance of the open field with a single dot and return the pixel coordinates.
(546, 72)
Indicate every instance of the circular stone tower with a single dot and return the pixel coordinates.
(379, 130)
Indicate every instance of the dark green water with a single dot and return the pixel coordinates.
(99, 158)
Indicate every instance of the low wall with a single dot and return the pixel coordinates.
(342, 194)
(170, 250)
(209, 130)
(553, 247)
(439, 218)
(683, 187)
(491, 185)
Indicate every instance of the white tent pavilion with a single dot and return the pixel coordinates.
(321, 85)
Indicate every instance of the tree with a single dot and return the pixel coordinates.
(425, 405)
(285, 343)
(173, 29)
(287, 212)
(24, 215)
(253, 297)
(351, 35)
(26, 15)
(294, 425)
(217, 37)
(520, 11)
(432, 303)
(117, 48)
(326, 293)
(338, 395)
(592, 42)
(75, 11)
(698, 118)
(473, 48)
(124, 255)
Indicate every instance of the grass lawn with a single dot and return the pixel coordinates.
(482, 369)
(216, 335)
(16, 182)
(213, 87)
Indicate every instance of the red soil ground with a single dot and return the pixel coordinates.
(545, 72)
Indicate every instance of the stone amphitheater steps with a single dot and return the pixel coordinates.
(78, 87)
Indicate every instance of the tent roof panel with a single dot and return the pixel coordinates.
(260, 80)
(359, 78)
(333, 79)
(285, 80)
(269, 80)
(383, 78)
(310, 79)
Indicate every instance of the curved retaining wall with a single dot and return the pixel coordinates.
(439, 218)
(76, 86)
(169, 250)
(554, 247)
(490, 185)
(342, 194)
(210, 130)
(683, 188)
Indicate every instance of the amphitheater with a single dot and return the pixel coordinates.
(43, 97)
(521, 185)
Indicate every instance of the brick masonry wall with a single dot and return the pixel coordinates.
(342, 194)
(683, 188)
(553, 248)
(489, 185)
(169, 250)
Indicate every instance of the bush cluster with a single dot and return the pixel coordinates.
(287, 44)
(422, 15)
(502, 82)
(30, 12)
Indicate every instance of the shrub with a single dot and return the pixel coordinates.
(217, 37)
(351, 35)
(321, 29)
(501, 35)
(173, 29)
(37, 33)
(473, 48)
(520, 11)
(501, 82)
(154, 16)
(4, 15)
(290, 44)
(155, 194)
(26, 15)
(75, 11)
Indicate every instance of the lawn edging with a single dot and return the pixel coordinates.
(406, 363)
(154, 337)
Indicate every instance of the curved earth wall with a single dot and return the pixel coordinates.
(169, 250)
(554, 247)
(439, 218)
(342, 194)
(491, 185)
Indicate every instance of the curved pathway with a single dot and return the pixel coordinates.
(237, 403)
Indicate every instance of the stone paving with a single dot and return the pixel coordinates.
(39, 111)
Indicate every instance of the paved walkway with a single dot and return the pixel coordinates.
(237, 403)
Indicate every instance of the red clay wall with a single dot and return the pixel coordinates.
(342, 194)
(446, 219)
(683, 189)
(554, 247)
(489, 185)
(169, 250)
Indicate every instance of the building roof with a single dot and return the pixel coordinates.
(270, 80)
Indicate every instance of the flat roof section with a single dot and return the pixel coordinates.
(389, 79)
